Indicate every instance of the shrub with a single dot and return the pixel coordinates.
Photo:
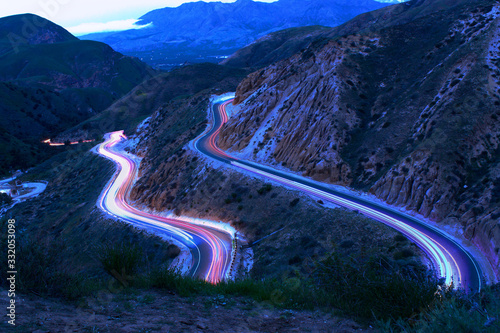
(264, 189)
(403, 254)
(123, 258)
(371, 291)
(366, 291)
(5, 199)
(455, 311)
(400, 238)
(40, 272)
(172, 280)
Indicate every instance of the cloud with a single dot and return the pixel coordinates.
(88, 28)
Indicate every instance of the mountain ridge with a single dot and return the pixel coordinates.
(21, 30)
(218, 29)
(51, 80)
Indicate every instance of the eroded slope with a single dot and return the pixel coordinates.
(408, 111)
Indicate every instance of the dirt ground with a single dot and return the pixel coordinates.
(152, 311)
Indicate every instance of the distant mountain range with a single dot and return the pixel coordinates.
(49, 81)
(201, 31)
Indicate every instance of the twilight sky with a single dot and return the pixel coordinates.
(86, 16)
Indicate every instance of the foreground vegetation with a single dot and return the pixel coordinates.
(454, 311)
(377, 291)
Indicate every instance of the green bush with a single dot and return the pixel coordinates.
(120, 259)
(260, 290)
(39, 271)
(400, 238)
(264, 189)
(374, 290)
(454, 311)
(366, 291)
(403, 254)
(172, 280)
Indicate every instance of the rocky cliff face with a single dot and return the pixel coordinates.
(408, 111)
(295, 103)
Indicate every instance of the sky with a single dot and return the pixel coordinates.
(87, 16)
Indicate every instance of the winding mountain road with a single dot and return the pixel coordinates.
(451, 260)
(32, 190)
(211, 248)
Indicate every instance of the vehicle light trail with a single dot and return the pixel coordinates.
(210, 247)
(451, 261)
(58, 144)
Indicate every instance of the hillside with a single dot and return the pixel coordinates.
(152, 94)
(50, 81)
(275, 46)
(19, 31)
(201, 31)
(408, 111)
(67, 240)
(285, 43)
